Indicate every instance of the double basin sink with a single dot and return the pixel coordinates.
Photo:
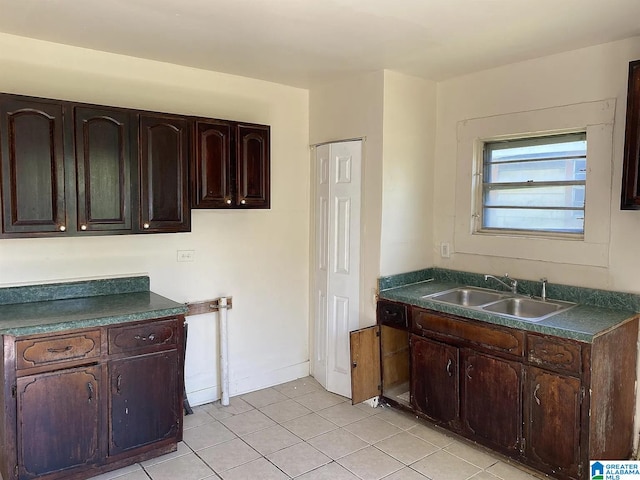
(501, 303)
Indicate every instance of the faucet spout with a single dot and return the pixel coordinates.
(512, 285)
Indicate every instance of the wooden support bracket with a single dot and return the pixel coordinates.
(207, 306)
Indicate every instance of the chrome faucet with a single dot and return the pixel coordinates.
(543, 293)
(512, 285)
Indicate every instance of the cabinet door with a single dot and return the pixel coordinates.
(492, 385)
(434, 379)
(211, 172)
(552, 421)
(366, 377)
(32, 152)
(164, 154)
(145, 401)
(253, 186)
(59, 421)
(103, 168)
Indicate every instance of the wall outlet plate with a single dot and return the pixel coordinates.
(445, 250)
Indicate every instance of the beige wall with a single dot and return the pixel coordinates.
(409, 131)
(259, 257)
(573, 78)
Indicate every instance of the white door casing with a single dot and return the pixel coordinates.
(337, 261)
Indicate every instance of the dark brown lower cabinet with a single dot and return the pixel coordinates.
(491, 384)
(553, 421)
(436, 385)
(63, 408)
(77, 403)
(550, 402)
(132, 423)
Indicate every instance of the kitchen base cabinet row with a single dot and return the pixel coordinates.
(549, 402)
(79, 403)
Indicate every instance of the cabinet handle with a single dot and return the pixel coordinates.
(59, 350)
(83, 227)
(228, 201)
(535, 394)
(62, 228)
(151, 337)
(354, 364)
(118, 384)
(243, 201)
(469, 368)
(90, 388)
(145, 226)
(389, 313)
(449, 368)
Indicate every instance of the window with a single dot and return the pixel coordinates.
(534, 185)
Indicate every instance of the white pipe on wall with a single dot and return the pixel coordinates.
(224, 353)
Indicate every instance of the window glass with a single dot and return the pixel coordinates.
(535, 184)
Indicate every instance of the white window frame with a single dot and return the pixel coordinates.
(596, 118)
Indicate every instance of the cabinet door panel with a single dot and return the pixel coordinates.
(253, 166)
(64, 409)
(103, 166)
(435, 381)
(553, 421)
(32, 166)
(492, 385)
(136, 384)
(211, 172)
(164, 154)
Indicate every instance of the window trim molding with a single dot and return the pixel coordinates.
(596, 118)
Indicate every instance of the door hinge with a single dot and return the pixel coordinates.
(377, 332)
(583, 392)
(14, 393)
(379, 387)
(15, 471)
(523, 445)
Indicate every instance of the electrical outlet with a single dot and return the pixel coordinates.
(186, 255)
(445, 251)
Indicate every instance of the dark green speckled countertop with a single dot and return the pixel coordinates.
(34, 309)
(597, 310)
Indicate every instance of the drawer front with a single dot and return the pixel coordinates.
(63, 348)
(554, 353)
(491, 338)
(392, 314)
(143, 336)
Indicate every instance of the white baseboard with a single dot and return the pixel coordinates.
(249, 384)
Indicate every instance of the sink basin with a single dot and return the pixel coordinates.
(500, 303)
(527, 308)
(467, 297)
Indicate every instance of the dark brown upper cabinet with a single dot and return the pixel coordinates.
(164, 158)
(33, 174)
(631, 168)
(231, 167)
(104, 168)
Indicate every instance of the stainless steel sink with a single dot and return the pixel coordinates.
(467, 297)
(501, 303)
(527, 308)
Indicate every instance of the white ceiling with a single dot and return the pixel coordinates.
(308, 42)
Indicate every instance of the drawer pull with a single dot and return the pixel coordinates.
(151, 338)
(389, 313)
(90, 388)
(59, 350)
(535, 394)
(449, 368)
(118, 384)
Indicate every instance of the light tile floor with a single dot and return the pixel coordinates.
(299, 430)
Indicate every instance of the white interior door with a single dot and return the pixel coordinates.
(337, 264)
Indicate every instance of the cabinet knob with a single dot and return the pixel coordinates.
(243, 201)
(62, 228)
(146, 225)
(228, 201)
(83, 227)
